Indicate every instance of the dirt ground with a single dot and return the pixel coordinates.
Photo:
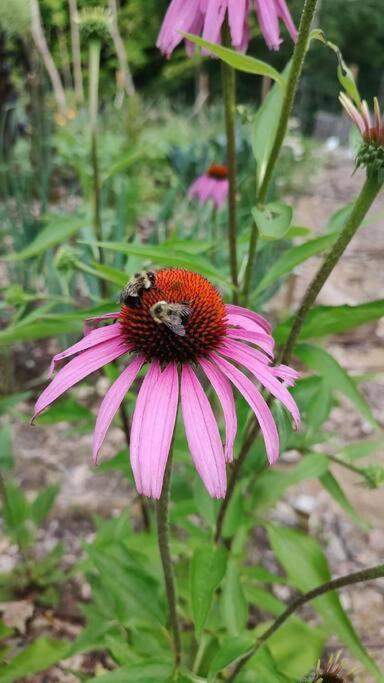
(54, 453)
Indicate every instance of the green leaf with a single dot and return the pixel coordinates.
(334, 489)
(103, 272)
(146, 672)
(230, 651)
(311, 571)
(267, 118)
(273, 220)
(38, 330)
(126, 161)
(58, 230)
(360, 449)
(43, 504)
(207, 569)
(238, 60)
(264, 665)
(15, 507)
(335, 376)
(42, 654)
(292, 258)
(325, 320)
(163, 256)
(65, 410)
(233, 603)
(6, 453)
(286, 647)
(8, 402)
(264, 599)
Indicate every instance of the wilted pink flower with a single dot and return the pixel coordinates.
(213, 185)
(201, 340)
(371, 151)
(205, 18)
(370, 132)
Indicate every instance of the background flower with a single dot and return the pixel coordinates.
(206, 17)
(213, 185)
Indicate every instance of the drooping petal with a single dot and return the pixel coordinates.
(93, 338)
(214, 20)
(246, 313)
(285, 15)
(83, 365)
(264, 341)
(269, 24)
(256, 402)
(202, 434)
(180, 16)
(91, 323)
(112, 401)
(366, 116)
(237, 20)
(286, 373)
(224, 392)
(152, 429)
(245, 355)
(352, 112)
(220, 192)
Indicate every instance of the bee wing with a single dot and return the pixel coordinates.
(175, 325)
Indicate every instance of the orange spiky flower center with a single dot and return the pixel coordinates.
(204, 326)
(218, 171)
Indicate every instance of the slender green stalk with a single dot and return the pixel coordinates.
(376, 572)
(229, 92)
(94, 72)
(367, 195)
(166, 560)
(289, 97)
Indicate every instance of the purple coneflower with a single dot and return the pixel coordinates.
(207, 346)
(371, 152)
(213, 185)
(206, 17)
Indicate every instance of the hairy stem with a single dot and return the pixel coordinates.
(166, 561)
(363, 202)
(289, 97)
(347, 580)
(229, 92)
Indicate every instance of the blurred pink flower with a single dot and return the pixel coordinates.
(213, 186)
(205, 18)
(371, 131)
(215, 339)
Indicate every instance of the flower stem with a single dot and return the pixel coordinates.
(94, 72)
(229, 92)
(347, 580)
(298, 57)
(367, 195)
(165, 555)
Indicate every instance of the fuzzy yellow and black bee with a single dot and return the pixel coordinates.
(173, 316)
(139, 283)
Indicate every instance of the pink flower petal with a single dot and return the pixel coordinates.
(83, 365)
(256, 402)
(245, 355)
(202, 434)
(263, 340)
(180, 17)
(213, 20)
(91, 323)
(152, 429)
(237, 19)
(246, 313)
(285, 15)
(269, 24)
(220, 192)
(287, 374)
(112, 401)
(224, 392)
(93, 338)
(242, 323)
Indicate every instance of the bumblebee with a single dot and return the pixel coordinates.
(173, 316)
(139, 283)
